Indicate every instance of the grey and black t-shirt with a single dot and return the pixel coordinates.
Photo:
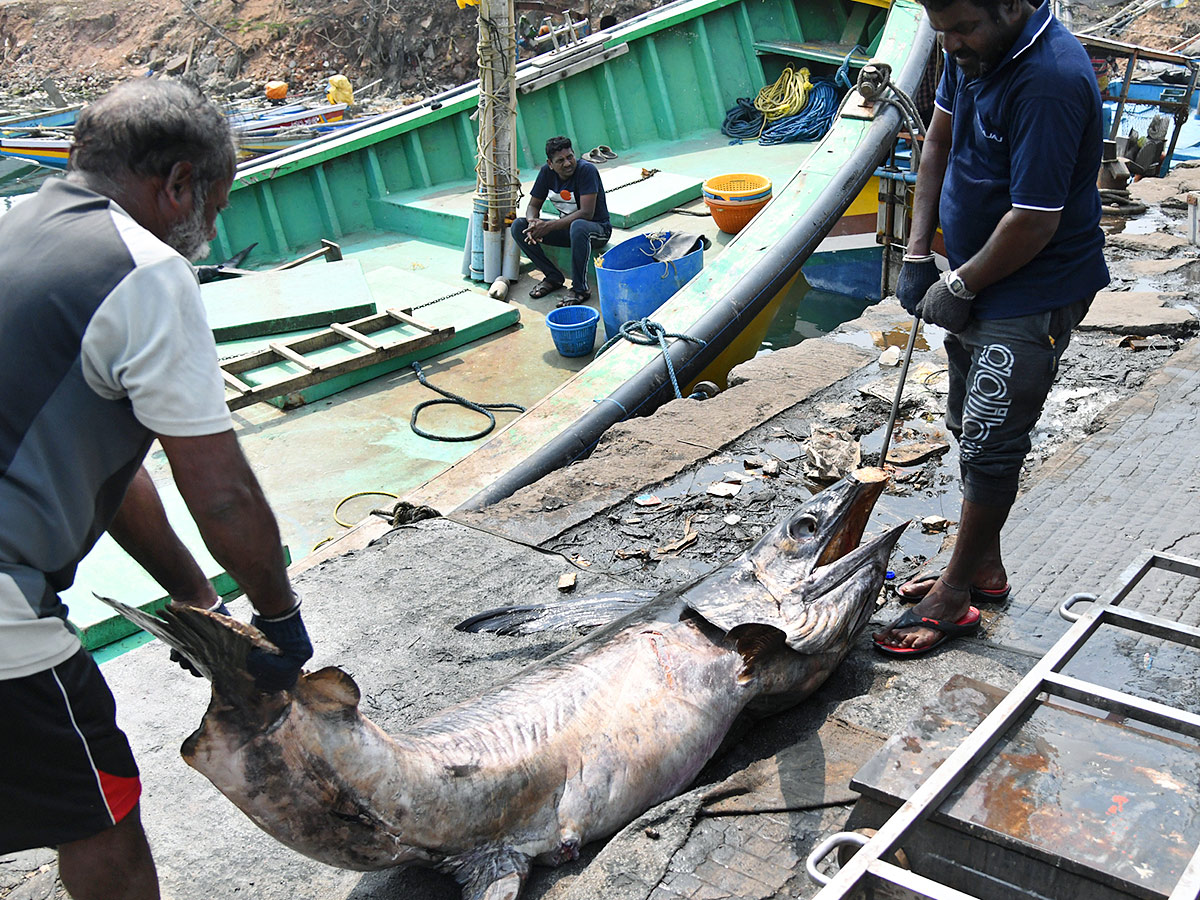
(103, 345)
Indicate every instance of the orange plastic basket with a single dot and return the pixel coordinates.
(738, 184)
(731, 217)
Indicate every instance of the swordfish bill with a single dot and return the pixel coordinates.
(570, 749)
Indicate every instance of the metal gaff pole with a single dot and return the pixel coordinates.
(908, 351)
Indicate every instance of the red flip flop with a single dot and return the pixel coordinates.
(968, 624)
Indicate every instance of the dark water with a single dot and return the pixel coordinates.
(808, 313)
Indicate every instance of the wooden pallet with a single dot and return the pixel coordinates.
(336, 350)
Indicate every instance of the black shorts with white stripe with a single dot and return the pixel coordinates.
(66, 770)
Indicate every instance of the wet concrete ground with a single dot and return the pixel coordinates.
(1120, 478)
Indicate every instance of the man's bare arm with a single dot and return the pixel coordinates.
(935, 152)
(1020, 236)
(141, 528)
(237, 524)
(587, 209)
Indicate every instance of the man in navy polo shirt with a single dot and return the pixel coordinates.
(1009, 166)
(573, 186)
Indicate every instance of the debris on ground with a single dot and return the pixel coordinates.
(831, 454)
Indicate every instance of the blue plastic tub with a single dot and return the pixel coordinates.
(573, 329)
(632, 284)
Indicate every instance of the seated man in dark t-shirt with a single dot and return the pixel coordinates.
(574, 188)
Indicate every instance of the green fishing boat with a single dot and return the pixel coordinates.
(389, 204)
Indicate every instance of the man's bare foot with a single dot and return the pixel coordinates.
(944, 602)
(989, 585)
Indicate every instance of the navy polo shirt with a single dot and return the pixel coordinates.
(565, 194)
(1027, 135)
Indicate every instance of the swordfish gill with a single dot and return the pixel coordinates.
(569, 750)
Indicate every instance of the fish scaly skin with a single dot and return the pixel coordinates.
(566, 752)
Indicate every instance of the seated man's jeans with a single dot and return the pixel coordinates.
(582, 236)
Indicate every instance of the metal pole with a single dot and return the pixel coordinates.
(1180, 118)
(908, 352)
(1132, 64)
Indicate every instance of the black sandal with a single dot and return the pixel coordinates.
(544, 287)
(575, 298)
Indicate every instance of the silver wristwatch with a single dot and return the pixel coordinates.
(956, 286)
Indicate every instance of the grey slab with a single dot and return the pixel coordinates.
(1095, 506)
(1138, 312)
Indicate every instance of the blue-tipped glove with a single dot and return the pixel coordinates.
(917, 275)
(177, 657)
(287, 632)
(941, 307)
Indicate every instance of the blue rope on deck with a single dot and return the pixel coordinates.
(745, 123)
(811, 123)
(648, 333)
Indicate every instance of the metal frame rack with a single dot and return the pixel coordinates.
(868, 869)
(1178, 109)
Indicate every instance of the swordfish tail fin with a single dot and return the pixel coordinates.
(216, 645)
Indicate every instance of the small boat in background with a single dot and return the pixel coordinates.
(61, 117)
(260, 131)
(49, 152)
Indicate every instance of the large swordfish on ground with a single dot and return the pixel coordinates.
(567, 751)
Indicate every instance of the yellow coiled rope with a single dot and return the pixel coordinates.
(786, 97)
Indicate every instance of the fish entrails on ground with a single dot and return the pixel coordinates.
(567, 751)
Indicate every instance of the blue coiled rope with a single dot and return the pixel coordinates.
(811, 123)
(648, 333)
(745, 123)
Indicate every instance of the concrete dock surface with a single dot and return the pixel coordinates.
(1095, 496)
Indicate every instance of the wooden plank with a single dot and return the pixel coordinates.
(281, 349)
(403, 316)
(236, 383)
(357, 336)
(299, 382)
(526, 85)
(823, 51)
(321, 341)
(331, 251)
(466, 314)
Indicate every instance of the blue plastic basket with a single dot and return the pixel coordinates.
(573, 329)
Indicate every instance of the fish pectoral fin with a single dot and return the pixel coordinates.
(328, 690)
(496, 874)
(582, 612)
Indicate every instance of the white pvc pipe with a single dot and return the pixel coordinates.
(466, 260)
(512, 258)
(493, 248)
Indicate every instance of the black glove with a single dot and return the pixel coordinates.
(917, 274)
(177, 657)
(287, 632)
(940, 307)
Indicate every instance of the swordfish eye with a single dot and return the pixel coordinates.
(802, 527)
